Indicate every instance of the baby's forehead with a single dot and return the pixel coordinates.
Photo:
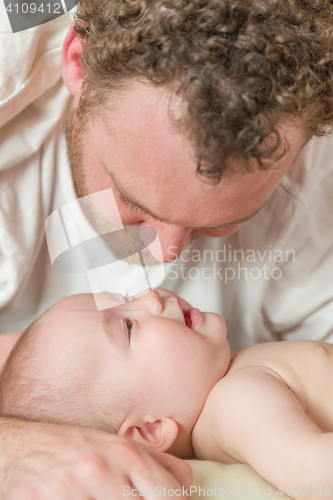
(77, 302)
(76, 317)
(90, 302)
(62, 319)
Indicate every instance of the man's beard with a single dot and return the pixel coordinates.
(122, 240)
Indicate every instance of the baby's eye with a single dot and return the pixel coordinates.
(128, 325)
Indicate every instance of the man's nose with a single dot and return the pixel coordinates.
(171, 242)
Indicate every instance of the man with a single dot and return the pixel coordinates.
(196, 115)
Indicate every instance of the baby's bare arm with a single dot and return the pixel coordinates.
(259, 421)
(7, 342)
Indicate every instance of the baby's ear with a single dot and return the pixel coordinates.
(159, 434)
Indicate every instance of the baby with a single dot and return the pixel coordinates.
(158, 371)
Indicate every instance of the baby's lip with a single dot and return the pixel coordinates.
(187, 318)
(192, 317)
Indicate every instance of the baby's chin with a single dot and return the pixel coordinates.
(214, 326)
(216, 329)
(222, 325)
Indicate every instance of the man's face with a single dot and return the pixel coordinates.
(142, 350)
(135, 150)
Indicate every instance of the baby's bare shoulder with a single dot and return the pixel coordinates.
(262, 380)
(238, 389)
(298, 366)
(287, 359)
(239, 401)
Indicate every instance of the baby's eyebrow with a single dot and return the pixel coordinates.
(96, 311)
(109, 332)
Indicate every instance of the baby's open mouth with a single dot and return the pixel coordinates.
(187, 318)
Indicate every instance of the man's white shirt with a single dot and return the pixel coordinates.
(272, 280)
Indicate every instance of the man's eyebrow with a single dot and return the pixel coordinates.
(127, 197)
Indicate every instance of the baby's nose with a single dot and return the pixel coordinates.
(154, 302)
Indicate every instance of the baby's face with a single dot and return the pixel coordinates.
(142, 349)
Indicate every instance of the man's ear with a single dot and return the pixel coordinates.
(72, 71)
(159, 434)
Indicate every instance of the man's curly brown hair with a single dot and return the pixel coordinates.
(240, 66)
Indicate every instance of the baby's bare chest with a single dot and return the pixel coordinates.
(307, 369)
